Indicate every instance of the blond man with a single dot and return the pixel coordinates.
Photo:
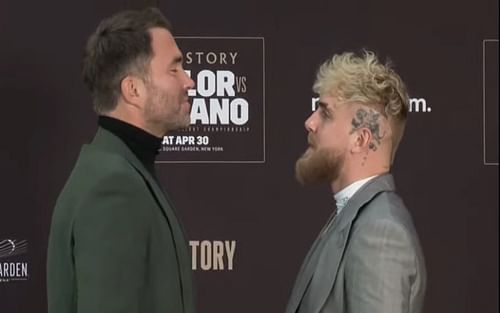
(367, 258)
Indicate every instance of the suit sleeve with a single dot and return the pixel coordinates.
(380, 268)
(111, 232)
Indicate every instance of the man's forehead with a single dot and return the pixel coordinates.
(162, 36)
(160, 31)
(163, 42)
(335, 104)
(331, 102)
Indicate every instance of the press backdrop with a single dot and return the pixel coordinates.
(231, 174)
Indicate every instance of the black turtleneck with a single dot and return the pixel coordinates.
(144, 145)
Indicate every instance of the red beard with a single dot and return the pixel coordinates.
(318, 166)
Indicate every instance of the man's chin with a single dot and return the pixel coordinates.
(315, 167)
(306, 171)
(186, 110)
(181, 126)
(187, 121)
(178, 125)
(185, 106)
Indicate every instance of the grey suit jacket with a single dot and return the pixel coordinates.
(368, 260)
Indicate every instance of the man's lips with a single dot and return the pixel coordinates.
(310, 141)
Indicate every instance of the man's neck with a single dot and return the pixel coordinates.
(345, 180)
(133, 119)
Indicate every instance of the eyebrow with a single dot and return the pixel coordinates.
(323, 105)
(177, 59)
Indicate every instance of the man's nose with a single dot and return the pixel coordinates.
(189, 83)
(310, 124)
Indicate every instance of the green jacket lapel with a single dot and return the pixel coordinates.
(107, 141)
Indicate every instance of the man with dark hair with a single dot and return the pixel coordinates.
(115, 243)
(367, 258)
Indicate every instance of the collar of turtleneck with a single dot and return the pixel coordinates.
(144, 145)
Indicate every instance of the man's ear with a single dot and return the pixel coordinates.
(362, 140)
(133, 91)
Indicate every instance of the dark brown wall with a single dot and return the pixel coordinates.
(445, 169)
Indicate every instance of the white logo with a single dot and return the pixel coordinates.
(9, 247)
(219, 89)
(227, 102)
(418, 105)
(13, 271)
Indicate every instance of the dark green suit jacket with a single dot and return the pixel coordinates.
(115, 242)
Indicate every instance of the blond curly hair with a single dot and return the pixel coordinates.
(365, 80)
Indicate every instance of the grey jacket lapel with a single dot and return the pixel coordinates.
(331, 252)
(306, 270)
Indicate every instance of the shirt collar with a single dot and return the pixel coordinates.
(343, 196)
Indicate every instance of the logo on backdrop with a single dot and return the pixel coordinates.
(12, 267)
(216, 255)
(417, 105)
(227, 102)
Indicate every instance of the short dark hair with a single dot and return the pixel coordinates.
(121, 45)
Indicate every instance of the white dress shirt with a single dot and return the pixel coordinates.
(345, 194)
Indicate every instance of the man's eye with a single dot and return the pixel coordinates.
(323, 113)
(174, 69)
